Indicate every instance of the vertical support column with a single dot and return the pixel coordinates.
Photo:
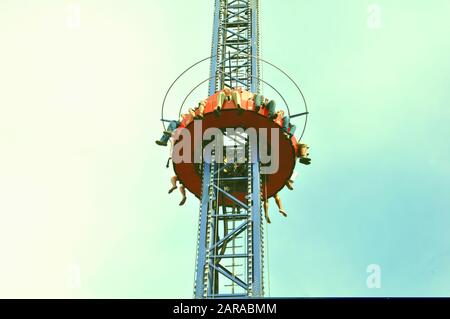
(214, 228)
(254, 45)
(202, 244)
(214, 49)
(256, 222)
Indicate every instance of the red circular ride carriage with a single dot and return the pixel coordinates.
(190, 175)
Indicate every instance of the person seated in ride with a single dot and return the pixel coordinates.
(228, 94)
(173, 126)
(258, 100)
(261, 102)
(278, 114)
(288, 128)
(270, 106)
(302, 154)
(200, 108)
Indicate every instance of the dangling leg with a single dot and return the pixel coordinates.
(163, 140)
(266, 210)
(303, 153)
(201, 109)
(220, 99)
(236, 99)
(280, 205)
(172, 127)
(285, 127)
(173, 180)
(290, 184)
(292, 129)
(285, 124)
(183, 193)
(168, 133)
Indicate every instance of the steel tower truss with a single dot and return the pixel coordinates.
(230, 244)
(230, 254)
(235, 45)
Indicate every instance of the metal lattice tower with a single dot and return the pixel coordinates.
(230, 245)
(235, 45)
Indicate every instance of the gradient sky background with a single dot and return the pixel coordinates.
(84, 209)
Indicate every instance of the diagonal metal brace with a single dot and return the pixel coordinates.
(234, 199)
(229, 236)
(229, 275)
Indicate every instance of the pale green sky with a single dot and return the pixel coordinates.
(84, 209)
